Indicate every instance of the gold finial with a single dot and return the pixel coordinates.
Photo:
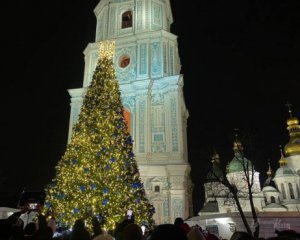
(107, 49)
(237, 145)
(282, 161)
(269, 172)
(289, 106)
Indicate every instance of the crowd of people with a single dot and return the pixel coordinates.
(32, 225)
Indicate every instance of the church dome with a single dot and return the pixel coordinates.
(284, 171)
(292, 148)
(292, 121)
(238, 163)
(269, 189)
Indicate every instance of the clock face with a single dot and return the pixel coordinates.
(124, 61)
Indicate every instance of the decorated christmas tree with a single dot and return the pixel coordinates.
(98, 174)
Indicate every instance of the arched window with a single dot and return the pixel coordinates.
(272, 199)
(291, 191)
(127, 118)
(283, 191)
(127, 19)
(156, 189)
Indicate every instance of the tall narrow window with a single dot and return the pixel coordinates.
(272, 199)
(127, 118)
(283, 191)
(127, 19)
(156, 189)
(291, 191)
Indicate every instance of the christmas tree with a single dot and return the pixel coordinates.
(98, 174)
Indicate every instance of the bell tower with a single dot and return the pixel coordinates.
(147, 65)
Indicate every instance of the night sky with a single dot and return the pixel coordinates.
(240, 60)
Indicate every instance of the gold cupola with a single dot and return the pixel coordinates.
(282, 161)
(293, 146)
(269, 172)
(237, 145)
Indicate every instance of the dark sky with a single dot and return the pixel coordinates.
(240, 60)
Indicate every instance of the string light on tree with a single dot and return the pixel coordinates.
(98, 174)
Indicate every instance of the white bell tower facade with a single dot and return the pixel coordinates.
(147, 65)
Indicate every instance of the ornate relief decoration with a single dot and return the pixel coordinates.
(177, 182)
(129, 102)
(177, 206)
(165, 57)
(172, 72)
(158, 123)
(75, 112)
(100, 25)
(112, 21)
(174, 128)
(142, 126)
(139, 20)
(156, 15)
(155, 59)
(157, 99)
(126, 73)
(143, 58)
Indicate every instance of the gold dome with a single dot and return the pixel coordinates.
(292, 121)
(293, 146)
(292, 149)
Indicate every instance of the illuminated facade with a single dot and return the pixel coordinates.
(277, 202)
(147, 65)
(280, 192)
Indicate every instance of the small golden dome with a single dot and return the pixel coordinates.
(269, 172)
(292, 121)
(237, 146)
(293, 146)
(292, 149)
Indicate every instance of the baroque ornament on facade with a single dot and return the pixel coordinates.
(148, 70)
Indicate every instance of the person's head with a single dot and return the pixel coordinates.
(178, 221)
(167, 231)
(195, 234)
(132, 232)
(96, 226)
(78, 225)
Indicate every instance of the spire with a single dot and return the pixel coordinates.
(282, 161)
(269, 172)
(289, 106)
(237, 145)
